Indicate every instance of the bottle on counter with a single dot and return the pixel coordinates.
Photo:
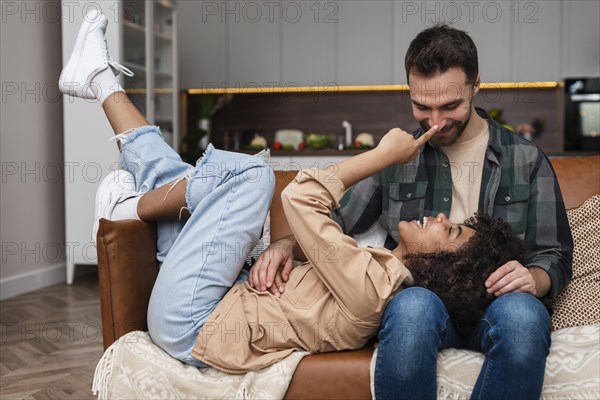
(236, 141)
(204, 127)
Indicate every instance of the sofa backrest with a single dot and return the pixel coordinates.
(578, 177)
(279, 225)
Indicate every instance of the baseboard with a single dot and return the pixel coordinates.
(33, 280)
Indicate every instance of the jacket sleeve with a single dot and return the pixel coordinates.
(362, 280)
(548, 233)
(360, 207)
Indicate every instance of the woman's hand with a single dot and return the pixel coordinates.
(272, 268)
(401, 147)
(396, 147)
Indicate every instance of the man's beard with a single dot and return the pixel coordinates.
(447, 140)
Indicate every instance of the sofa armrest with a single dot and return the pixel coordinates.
(127, 270)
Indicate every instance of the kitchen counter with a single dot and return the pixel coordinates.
(309, 153)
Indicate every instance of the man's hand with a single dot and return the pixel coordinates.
(514, 277)
(272, 268)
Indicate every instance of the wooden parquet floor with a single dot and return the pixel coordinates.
(50, 342)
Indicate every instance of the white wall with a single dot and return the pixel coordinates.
(31, 147)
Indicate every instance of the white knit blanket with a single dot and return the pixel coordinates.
(135, 368)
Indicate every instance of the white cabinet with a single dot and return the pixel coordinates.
(364, 46)
(308, 43)
(202, 35)
(490, 29)
(487, 22)
(581, 35)
(363, 42)
(139, 36)
(254, 45)
(536, 37)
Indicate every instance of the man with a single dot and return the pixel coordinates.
(472, 163)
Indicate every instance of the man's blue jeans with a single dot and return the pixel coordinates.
(514, 335)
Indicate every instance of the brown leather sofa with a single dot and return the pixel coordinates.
(128, 269)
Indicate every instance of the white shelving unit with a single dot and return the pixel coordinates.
(149, 49)
(141, 35)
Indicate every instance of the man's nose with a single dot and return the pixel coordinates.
(435, 118)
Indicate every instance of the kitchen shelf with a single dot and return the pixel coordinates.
(167, 4)
(133, 27)
(135, 68)
(163, 38)
(163, 74)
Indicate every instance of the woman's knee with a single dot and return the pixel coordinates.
(254, 172)
(263, 177)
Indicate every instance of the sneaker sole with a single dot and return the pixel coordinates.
(102, 201)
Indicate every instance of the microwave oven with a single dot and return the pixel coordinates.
(582, 114)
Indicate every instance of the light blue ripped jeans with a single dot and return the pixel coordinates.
(228, 196)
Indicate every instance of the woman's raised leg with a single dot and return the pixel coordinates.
(228, 195)
(90, 73)
(122, 114)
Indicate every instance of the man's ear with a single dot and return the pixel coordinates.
(477, 84)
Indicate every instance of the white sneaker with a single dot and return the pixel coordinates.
(114, 189)
(89, 58)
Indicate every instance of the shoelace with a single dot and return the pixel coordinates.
(113, 64)
(119, 67)
(122, 137)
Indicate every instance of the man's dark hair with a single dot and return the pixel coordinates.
(458, 277)
(439, 48)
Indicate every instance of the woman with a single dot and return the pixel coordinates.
(202, 310)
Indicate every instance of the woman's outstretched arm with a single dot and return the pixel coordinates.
(273, 267)
(396, 147)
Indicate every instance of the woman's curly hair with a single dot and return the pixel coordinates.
(458, 277)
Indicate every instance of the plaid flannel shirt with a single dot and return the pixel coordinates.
(518, 184)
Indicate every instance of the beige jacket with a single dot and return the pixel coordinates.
(333, 302)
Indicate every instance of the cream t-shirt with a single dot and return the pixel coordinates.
(466, 163)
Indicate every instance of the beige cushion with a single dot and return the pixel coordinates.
(579, 303)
